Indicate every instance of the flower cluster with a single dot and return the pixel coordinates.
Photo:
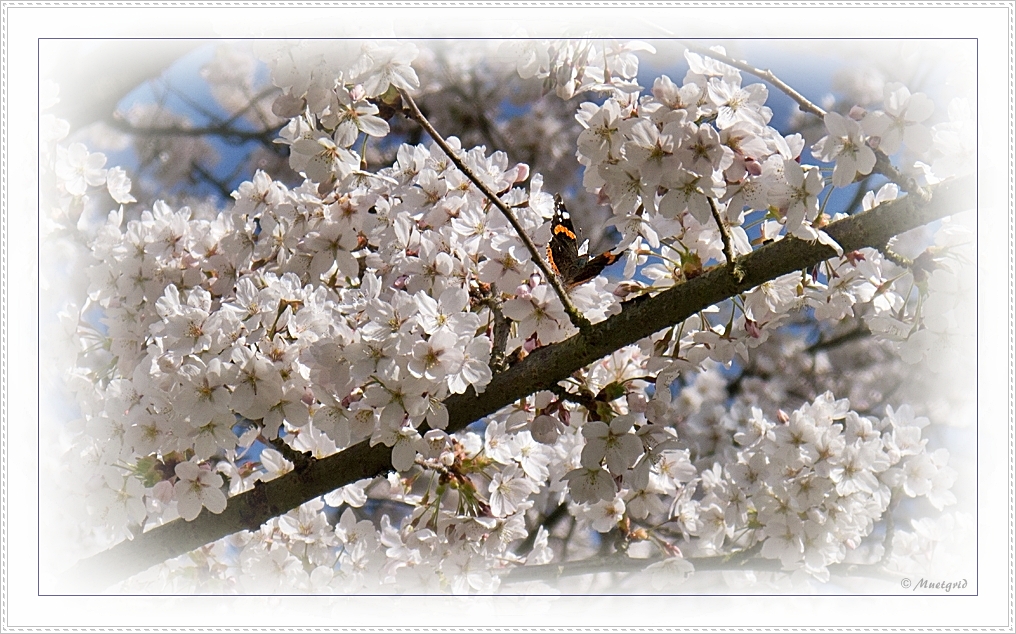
(814, 486)
(572, 67)
(671, 161)
(216, 348)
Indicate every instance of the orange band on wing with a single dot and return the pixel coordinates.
(550, 259)
(566, 231)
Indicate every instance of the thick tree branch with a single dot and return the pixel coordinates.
(540, 370)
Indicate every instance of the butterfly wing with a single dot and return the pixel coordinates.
(563, 251)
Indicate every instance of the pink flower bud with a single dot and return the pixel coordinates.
(637, 402)
(753, 328)
(163, 491)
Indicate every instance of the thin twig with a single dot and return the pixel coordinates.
(897, 259)
(223, 131)
(577, 318)
(499, 335)
(547, 522)
(766, 75)
(883, 165)
(209, 178)
(728, 249)
(585, 400)
(252, 103)
(860, 332)
(862, 189)
(890, 529)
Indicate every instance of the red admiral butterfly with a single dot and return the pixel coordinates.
(563, 251)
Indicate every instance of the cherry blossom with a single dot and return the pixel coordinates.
(365, 295)
(79, 169)
(119, 185)
(611, 443)
(846, 145)
(901, 121)
(382, 66)
(197, 488)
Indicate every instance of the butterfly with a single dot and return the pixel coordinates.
(563, 251)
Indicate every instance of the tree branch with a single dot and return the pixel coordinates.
(728, 249)
(224, 131)
(540, 370)
(199, 172)
(882, 163)
(617, 563)
(546, 522)
(766, 75)
(578, 319)
(859, 332)
(94, 79)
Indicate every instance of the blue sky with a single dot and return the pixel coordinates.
(811, 74)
